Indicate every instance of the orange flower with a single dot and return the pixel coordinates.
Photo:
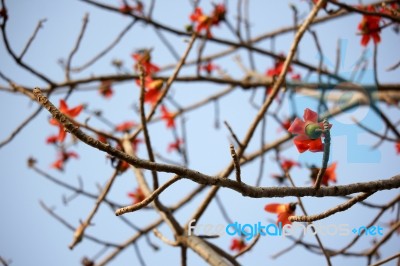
(237, 244)
(63, 158)
(168, 117)
(70, 112)
(369, 27)
(308, 132)
(137, 196)
(283, 211)
(153, 89)
(398, 147)
(329, 176)
(125, 126)
(105, 88)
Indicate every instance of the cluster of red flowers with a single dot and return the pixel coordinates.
(205, 22)
(154, 90)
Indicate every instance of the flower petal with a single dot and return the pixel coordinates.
(298, 127)
(310, 115)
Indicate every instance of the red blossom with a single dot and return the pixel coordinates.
(135, 144)
(153, 89)
(237, 244)
(278, 67)
(175, 146)
(308, 132)
(143, 57)
(283, 211)
(218, 14)
(63, 158)
(105, 88)
(329, 176)
(209, 67)
(287, 164)
(296, 76)
(70, 112)
(52, 139)
(126, 9)
(125, 126)
(168, 117)
(137, 196)
(369, 27)
(204, 22)
(286, 124)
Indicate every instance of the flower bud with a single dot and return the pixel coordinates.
(313, 131)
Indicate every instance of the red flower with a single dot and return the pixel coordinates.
(286, 124)
(369, 27)
(125, 126)
(52, 139)
(143, 57)
(218, 14)
(278, 67)
(176, 145)
(398, 147)
(209, 67)
(168, 117)
(125, 8)
(203, 21)
(283, 211)
(153, 92)
(70, 112)
(135, 144)
(308, 132)
(296, 77)
(63, 157)
(288, 164)
(105, 88)
(329, 176)
(237, 244)
(137, 196)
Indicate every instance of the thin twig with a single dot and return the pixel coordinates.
(235, 163)
(28, 44)
(342, 207)
(80, 231)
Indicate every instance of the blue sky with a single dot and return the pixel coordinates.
(28, 235)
